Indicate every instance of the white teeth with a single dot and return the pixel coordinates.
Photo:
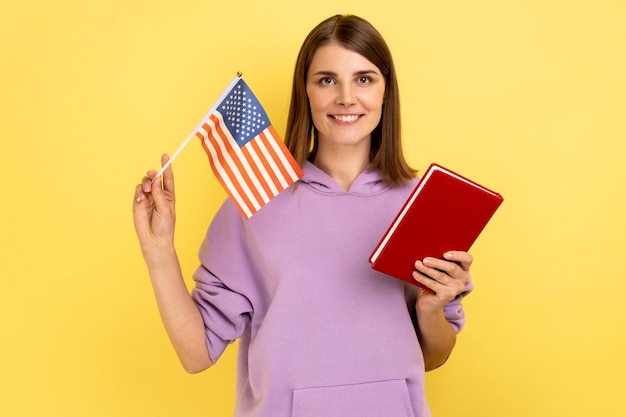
(346, 118)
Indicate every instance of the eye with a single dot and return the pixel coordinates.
(326, 81)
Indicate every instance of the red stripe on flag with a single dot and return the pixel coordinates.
(266, 165)
(283, 175)
(236, 191)
(233, 151)
(238, 173)
(283, 148)
(216, 166)
(252, 155)
(256, 176)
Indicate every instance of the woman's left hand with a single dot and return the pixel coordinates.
(446, 278)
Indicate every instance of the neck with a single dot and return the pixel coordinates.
(343, 168)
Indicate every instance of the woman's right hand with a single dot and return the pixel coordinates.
(153, 210)
(154, 217)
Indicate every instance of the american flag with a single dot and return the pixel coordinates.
(247, 155)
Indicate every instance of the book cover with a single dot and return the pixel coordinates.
(445, 211)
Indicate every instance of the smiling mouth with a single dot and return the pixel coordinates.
(345, 117)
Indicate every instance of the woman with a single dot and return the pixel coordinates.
(320, 333)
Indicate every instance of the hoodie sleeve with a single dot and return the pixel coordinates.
(221, 281)
(454, 309)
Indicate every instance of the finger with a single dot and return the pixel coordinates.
(448, 267)
(139, 194)
(440, 283)
(463, 259)
(432, 273)
(425, 280)
(441, 289)
(168, 174)
(146, 183)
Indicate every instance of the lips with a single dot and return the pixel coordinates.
(345, 117)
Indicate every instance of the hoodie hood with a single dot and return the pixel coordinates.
(368, 182)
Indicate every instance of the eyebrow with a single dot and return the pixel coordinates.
(334, 74)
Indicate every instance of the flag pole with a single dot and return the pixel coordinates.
(193, 133)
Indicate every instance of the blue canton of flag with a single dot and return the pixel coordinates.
(243, 115)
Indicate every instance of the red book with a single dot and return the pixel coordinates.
(444, 212)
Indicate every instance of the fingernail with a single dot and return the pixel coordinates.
(447, 255)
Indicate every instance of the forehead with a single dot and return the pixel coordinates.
(337, 58)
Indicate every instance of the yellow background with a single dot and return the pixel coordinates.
(527, 97)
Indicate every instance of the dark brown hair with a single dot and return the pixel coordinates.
(358, 35)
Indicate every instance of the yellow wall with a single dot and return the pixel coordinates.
(527, 97)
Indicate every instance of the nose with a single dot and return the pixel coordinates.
(346, 95)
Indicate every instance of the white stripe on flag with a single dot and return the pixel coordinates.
(283, 159)
(256, 171)
(268, 157)
(258, 160)
(238, 188)
(229, 171)
(221, 173)
(253, 182)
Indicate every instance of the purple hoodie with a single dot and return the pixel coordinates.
(320, 332)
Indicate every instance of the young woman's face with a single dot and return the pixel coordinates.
(345, 93)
